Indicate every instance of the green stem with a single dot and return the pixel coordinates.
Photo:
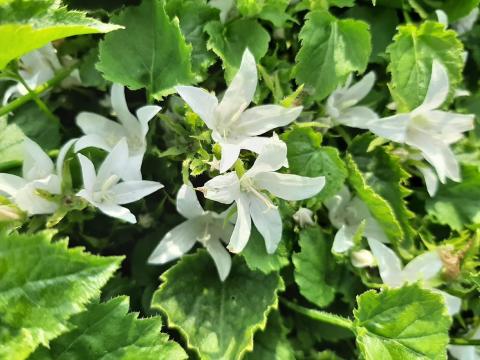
(418, 8)
(465, 342)
(341, 131)
(11, 106)
(322, 316)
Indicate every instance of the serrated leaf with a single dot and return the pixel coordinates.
(331, 50)
(307, 157)
(11, 139)
(457, 204)
(411, 56)
(405, 323)
(218, 319)
(271, 10)
(29, 25)
(315, 271)
(150, 52)
(42, 285)
(229, 41)
(108, 331)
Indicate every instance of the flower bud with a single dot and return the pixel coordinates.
(303, 217)
(362, 258)
(9, 213)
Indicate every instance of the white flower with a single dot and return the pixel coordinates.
(342, 103)
(425, 267)
(252, 203)
(38, 173)
(465, 24)
(225, 6)
(427, 129)
(347, 213)
(104, 133)
(233, 127)
(303, 217)
(362, 258)
(467, 352)
(104, 189)
(206, 227)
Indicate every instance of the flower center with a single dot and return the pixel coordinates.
(105, 194)
(247, 184)
(135, 144)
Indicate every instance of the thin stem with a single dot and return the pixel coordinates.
(341, 131)
(322, 316)
(464, 342)
(418, 8)
(11, 106)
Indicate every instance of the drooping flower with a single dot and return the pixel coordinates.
(342, 107)
(38, 173)
(424, 267)
(234, 126)
(253, 204)
(205, 227)
(467, 352)
(347, 213)
(105, 191)
(303, 217)
(430, 130)
(104, 133)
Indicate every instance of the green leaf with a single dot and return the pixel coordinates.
(307, 158)
(405, 323)
(257, 258)
(458, 9)
(272, 343)
(29, 25)
(42, 285)
(193, 16)
(274, 11)
(108, 331)
(315, 271)
(411, 57)
(89, 74)
(456, 204)
(150, 52)
(229, 41)
(218, 319)
(331, 50)
(11, 139)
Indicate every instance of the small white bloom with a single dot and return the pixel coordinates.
(425, 267)
(362, 258)
(427, 129)
(303, 217)
(205, 227)
(225, 6)
(38, 173)
(347, 213)
(465, 24)
(252, 203)
(234, 126)
(467, 352)
(104, 133)
(104, 189)
(342, 103)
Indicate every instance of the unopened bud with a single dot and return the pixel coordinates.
(362, 258)
(303, 217)
(9, 213)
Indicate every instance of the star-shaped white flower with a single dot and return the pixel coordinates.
(424, 267)
(342, 105)
(38, 173)
(430, 130)
(205, 227)
(347, 213)
(234, 126)
(104, 133)
(467, 352)
(251, 201)
(104, 189)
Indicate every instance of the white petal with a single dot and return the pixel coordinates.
(343, 240)
(393, 128)
(437, 89)
(230, 154)
(442, 17)
(50, 183)
(461, 352)
(424, 267)
(177, 242)
(117, 211)
(201, 101)
(243, 226)
(256, 144)
(12, 90)
(437, 153)
(430, 177)
(92, 123)
(36, 163)
(220, 256)
(357, 117)
(448, 125)
(223, 188)
(132, 169)
(241, 90)
(358, 91)
(453, 303)
(336, 206)
(114, 162)
(260, 119)
(93, 140)
(145, 114)
(187, 202)
(389, 265)
(268, 222)
(88, 173)
(373, 230)
(130, 191)
(289, 186)
(27, 200)
(62, 154)
(271, 158)
(119, 105)
(10, 184)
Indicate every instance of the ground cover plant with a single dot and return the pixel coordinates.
(239, 179)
